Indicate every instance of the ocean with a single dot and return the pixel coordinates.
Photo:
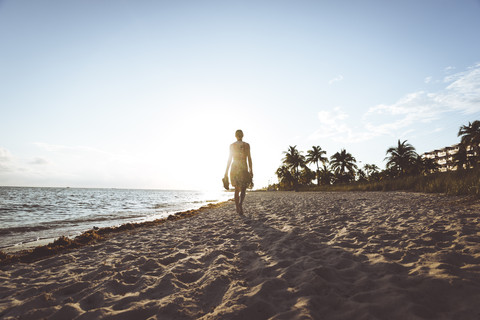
(33, 214)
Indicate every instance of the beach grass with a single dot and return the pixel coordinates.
(465, 182)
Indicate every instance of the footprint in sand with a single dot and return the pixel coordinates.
(172, 258)
(188, 277)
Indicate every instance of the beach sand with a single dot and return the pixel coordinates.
(357, 255)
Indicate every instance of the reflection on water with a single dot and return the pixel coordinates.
(29, 214)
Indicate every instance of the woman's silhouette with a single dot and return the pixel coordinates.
(241, 173)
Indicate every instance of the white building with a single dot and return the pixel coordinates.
(445, 157)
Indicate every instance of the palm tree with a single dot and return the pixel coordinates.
(285, 177)
(372, 171)
(344, 165)
(315, 156)
(461, 158)
(361, 176)
(427, 165)
(294, 159)
(401, 157)
(306, 176)
(471, 139)
(326, 176)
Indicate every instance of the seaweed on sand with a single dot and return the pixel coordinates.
(63, 243)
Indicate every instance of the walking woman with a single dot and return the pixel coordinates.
(241, 172)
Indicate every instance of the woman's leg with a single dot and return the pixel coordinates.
(237, 200)
(242, 197)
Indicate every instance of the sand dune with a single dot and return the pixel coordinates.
(295, 256)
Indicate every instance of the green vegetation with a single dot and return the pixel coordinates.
(465, 182)
(405, 169)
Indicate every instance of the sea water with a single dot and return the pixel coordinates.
(31, 214)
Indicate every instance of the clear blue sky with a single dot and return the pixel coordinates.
(148, 94)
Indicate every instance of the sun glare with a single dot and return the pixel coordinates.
(200, 141)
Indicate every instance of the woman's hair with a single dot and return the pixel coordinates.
(239, 134)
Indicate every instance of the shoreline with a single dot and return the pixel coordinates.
(33, 216)
(309, 255)
(46, 241)
(43, 248)
(27, 245)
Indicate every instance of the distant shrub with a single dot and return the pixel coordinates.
(465, 182)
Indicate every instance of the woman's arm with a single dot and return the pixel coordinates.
(249, 159)
(230, 157)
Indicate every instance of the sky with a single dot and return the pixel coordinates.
(148, 94)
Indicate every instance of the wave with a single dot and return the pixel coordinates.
(66, 223)
(161, 205)
(44, 212)
(179, 204)
(27, 207)
(14, 230)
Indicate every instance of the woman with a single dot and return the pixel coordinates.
(241, 173)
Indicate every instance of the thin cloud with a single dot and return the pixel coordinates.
(449, 69)
(332, 118)
(39, 161)
(81, 162)
(88, 153)
(6, 161)
(68, 149)
(461, 95)
(336, 79)
(428, 79)
(334, 126)
(5, 155)
(10, 164)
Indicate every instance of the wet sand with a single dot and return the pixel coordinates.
(357, 255)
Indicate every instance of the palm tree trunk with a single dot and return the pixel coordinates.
(296, 179)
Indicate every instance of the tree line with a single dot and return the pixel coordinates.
(342, 168)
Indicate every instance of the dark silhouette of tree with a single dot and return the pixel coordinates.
(423, 166)
(315, 156)
(361, 176)
(306, 176)
(372, 171)
(344, 166)
(388, 173)
(401, 158)
(285, 177)
(371, 168)
(461, 159)
(293, 160)
(427, 165)
(470, 139)
(326, 175)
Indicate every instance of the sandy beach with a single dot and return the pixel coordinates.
(389, 255)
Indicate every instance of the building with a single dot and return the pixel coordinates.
(444, 157)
